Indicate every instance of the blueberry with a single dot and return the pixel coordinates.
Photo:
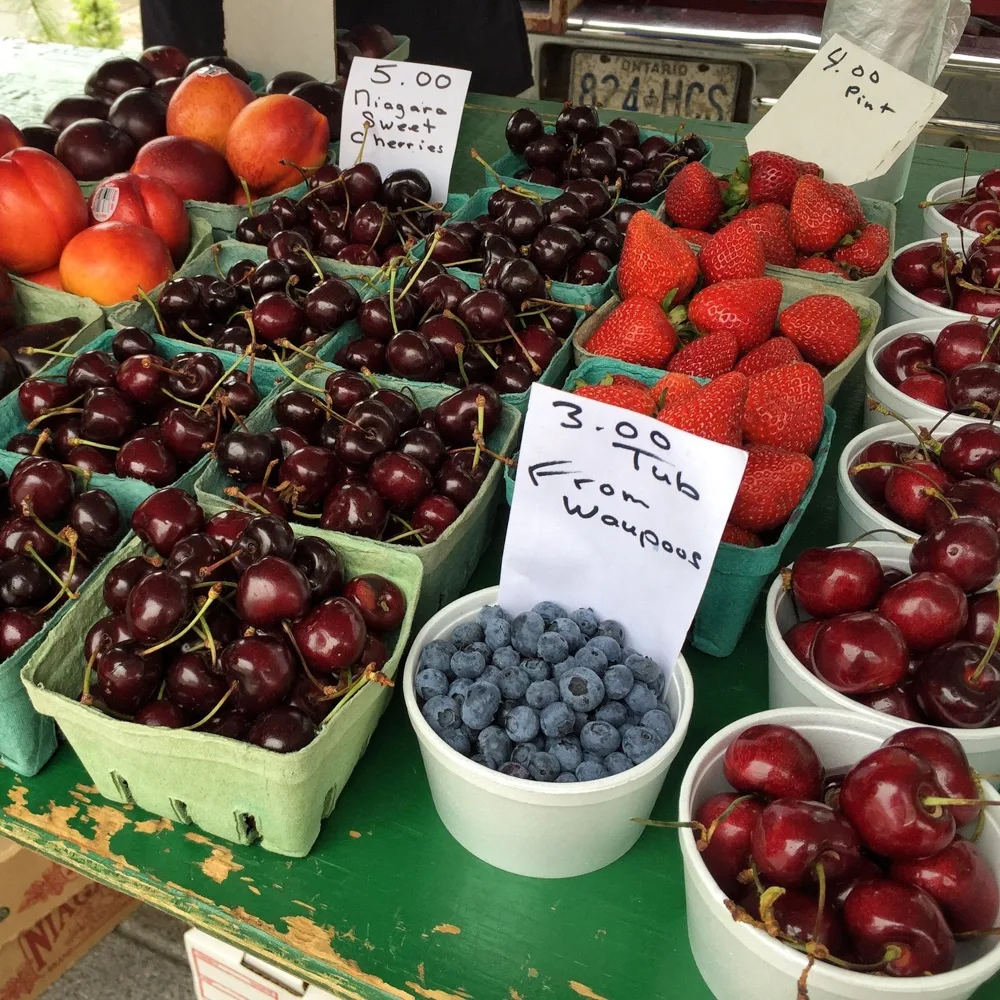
(515, 770)
(618, 681)
(495, 744)
(565, 777)
(658, 686)
(643, 668)
(480, 647)
(508, 706)
(544, 767)
(612, 628)
(553, 648)
(485, 761)
(590, 770)
(514, 682)
(558, 669)
(538, 670)
(600, 738)
(612, 712)
(567, 751)
(640, 743)
(617, 762)
(586, 620)
(466, 633)
(522, 724)
(628, 651)
(481, 704)
(570, 631)
(541, 693)
(631, 719)
(549, 611)
(506, 656)
(472, 734)
(491, 675)
(466, 664)
(457, 740)
(489, 613)
(497, 633)
(525, 631)
(437, 655)
(593, 758)
(659, 722)
(459, 689)
(581, 689)
(442, 713)
(592, 658)
(430, 682)
(608, 646)
(557, 720)
(641, 700)
(523, 752)
(582, 718)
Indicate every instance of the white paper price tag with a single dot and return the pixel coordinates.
(848, 111)
(413, 112)
(618, 512)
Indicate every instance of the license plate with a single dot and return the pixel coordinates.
(684, 88)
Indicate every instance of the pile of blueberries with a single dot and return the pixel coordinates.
(545, 696)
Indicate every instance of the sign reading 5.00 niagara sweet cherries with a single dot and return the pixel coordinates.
(619, 512)
(404, 114)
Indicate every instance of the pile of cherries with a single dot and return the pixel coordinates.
(978, 208)
(580, 146)
(864, 870)
(130, 412)
(52, 535)
(936, 274)
(365, 460)
(292, 639)
(960, 371)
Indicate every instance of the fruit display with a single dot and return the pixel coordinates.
(964, 282)
(975, 208)
(547, 695)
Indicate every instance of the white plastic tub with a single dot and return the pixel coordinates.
(739, 961)
(791, 685)
(935, 223)
(532, 828)
(901, 305)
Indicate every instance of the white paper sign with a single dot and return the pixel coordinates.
(618, 512)
(848, 111)
(413, 112)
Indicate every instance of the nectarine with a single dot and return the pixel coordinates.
(191, 167)
(144, 201)
(10, 136)
(41, 209)
(205, 104)
(272, 133)
(111, 261)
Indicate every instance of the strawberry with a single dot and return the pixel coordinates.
(819, 265)
(637, 331)
(715, 413)
(740, 536)
(672, 387)
(785, 408)
(733, 252)
(825, 328)
(655, 262)
(619, 390)
(774, 483)
(693, 198)
(866, 253)
(696, 236)
(775, 352)
(746, 307)
(769, 223)
(822, 214)
(773, 177)
(708, 356)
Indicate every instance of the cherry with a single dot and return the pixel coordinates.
(29, 443)
(157, 605)
(897, 701)
(981, 217)
(774, 761)
(140, 378)
(980, 493)
(37, 396)
(927, 387)
(20, 532)
(380, 601)
(425, 446)
(192, 686)
(984, 609)
(282, 730)
(356, 509)
(975, 388)
(958, 685)
(331, 636)
(112, 630)
(411, 355)
(187, 433)
(828, 582)
(160, 714)
(344, 389)
(442, 292)
(107, 417)
(148, 459)
(924, 266)
(262, 670)
(907, 355)
(16, 628)
(799, 639)
(963, 343)
(871, 482)
(457, 416)
(929, 609)
(859, 652)
(311, 472)
(967, 549)
(971, 450)
(193, 553)
(907, 491)
(265, 535)
(194, 375)
(231, 723)
(320, 564)
(400, 405)
(91, 370)
(400, 480)
(271, 591)
(433, 516)
(23, 583)
(276, 316)
(126, 679)
(523, 126)
(227, 526)
(458, 481)
(797, 916)
(727, 851)
(95, 517)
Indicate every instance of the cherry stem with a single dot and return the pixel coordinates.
(939, 800)
(865, 466)
(990, 650)
(481, 445)
(64, 586)
(28, 511)
(204, 630)
(561, 305)
(418, 532)
(87, 698)
(205, 571)
(234, 491)
(222, 378)
(460, 355)
(314, 362)
(29, 550)
(179, 401)
(291, 375)
(480, 418)
(215, 711)
(533, 364)
(185, 326)
(161, 326)
(46, 350)
(909, 539)
(489, 169)
(877, 407)
(432, 243)
(41, 441)
(364, 139)
(210, 598)
(60, 411)
(392, 296)
(216, 249)
(74, 441)
(938, 495)
(287, 629)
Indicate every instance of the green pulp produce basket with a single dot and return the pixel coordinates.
(227, 788)
(27, 739)
(448, 562)
(41, 304)
(793, 289)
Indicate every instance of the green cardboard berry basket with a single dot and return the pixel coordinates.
(448, 562)
(41, 304)
(793, 289)
(28, 739)
(228, 788)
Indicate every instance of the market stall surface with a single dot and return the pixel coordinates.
(388, 904)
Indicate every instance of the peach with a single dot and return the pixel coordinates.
(49, 277)
(205, 104)
(191, 167)
(41, 209)
(272, 133)
(144, 201)
(10, 135)
(111, 261)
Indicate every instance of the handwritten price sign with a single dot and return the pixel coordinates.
(619, 512)
(848, 111)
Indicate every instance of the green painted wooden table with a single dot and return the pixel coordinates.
(388, 904)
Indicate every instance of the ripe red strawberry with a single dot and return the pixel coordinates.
(774, 483)
(620, 390)
(672, 387)
(825, 328)
(696, 236)
(747, 308)
(655, 261)
(715, 413)
(708, 356)
(775, 352)
(822, 214)
(769, 223)
(637, 331)
(819, 265)
(740, 536)
(785, 408)
(733, 252)
(693, 199)
(773, 177)
(867, 252)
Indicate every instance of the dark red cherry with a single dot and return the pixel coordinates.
(148, 459)
(380, 601)
(122, 579)
(320, 564)
(271, 591)
(262, 669)
(126, 680)
(166, 516)
(282, 730)
(332, 636)
(356, 509)
(192, 686)
(157, 605)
